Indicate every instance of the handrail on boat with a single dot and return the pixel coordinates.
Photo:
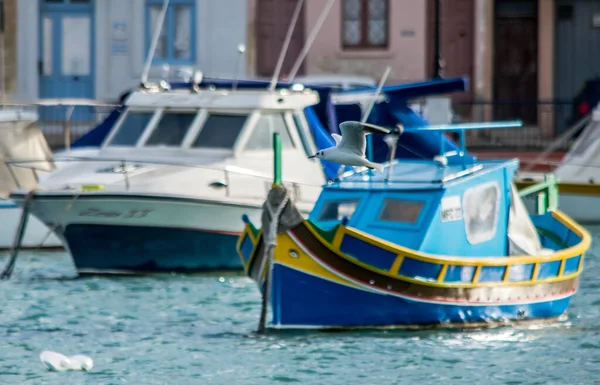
(124, 164)
(547, 194)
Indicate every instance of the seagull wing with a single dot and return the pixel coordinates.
(353, 135)
(353, 138)
(337, 138)
(374, 129)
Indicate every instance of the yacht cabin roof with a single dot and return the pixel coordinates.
(278, 99)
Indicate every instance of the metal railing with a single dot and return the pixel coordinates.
(543, 122)
(127, 167)
(63, 121)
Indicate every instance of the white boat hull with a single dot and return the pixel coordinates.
(128, 233)
(35, 232)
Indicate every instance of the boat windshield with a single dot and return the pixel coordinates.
(220, 131)
(261, 136)
(131, 128)
(171, 129)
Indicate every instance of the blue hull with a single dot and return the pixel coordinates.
(140, 249)
(300, 299)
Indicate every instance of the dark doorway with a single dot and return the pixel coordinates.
(273, 18)
(515, 60)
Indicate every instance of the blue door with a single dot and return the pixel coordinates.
(66, 57)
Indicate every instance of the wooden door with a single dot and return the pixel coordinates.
(515, 68)
(273, 18)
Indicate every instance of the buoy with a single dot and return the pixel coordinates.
(57, 362)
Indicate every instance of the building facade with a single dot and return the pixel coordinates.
(535, 53)
(360, 37)
(97, 48)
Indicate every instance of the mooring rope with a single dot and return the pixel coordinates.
(20, 234)
(58, 222)
(270, 242)
(14, 251)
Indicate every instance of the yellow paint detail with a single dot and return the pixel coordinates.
(396, 265)
(337, 239)
(92, 187)
(442, 273)
(303, 262)
(247, 231)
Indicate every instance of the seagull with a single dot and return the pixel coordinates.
(351, 145)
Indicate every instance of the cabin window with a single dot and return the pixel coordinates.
(337, 209)
(171, 129)
(480, 205)
(400, 210)
(131, 128)
(220, 131)
(261, 137)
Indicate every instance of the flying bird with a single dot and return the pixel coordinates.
(351, 145)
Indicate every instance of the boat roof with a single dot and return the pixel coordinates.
(279, 99)
(417, 175)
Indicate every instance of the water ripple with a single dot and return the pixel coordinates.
(184, 329)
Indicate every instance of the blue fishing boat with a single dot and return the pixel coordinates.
(440, 241)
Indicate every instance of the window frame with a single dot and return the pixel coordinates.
(385, 201)
(239, 141)
(338, 199)
(154, 126)
(378, 200)
(251, 129)
(475, 239)
(364, 25)
(169, 25)
(117, 126)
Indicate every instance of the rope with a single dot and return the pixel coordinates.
(58, 222)
(270, 242)
(14, 252)
(20, 234)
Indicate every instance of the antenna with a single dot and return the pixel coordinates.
(241, 48)
(286, 44)
(158, 29)
(309, 41)
(392, 141)
(370, 107)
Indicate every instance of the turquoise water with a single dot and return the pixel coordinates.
(199, 330)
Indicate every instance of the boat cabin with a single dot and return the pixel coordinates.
(421, 200)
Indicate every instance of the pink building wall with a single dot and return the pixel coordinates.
(406, 52)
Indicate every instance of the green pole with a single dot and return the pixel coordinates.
(276, 160)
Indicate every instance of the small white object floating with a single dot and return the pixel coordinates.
(58, 362)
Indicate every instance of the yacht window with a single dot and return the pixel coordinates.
(220, 131)
(171, 129)
(262, 134)
(400, 210)
(337, 209)
(480, 204)
(131, 128)
(302, 133)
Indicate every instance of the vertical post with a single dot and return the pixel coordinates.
(437, 64)
(277, 180)
(370, 107)
(552, 199)
(463, 147)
